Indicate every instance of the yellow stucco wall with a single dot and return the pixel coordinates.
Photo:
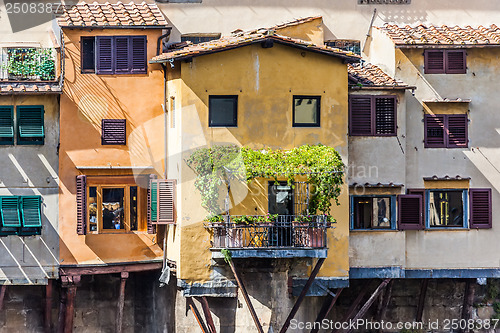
(87, 99)
(311, 31)
(265, 81)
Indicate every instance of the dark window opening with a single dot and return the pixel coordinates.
(306, 111)
(372, 212)
(280, 198)
(222, 111)
(199, 38)
(88, 54)
(133, 207)
(446, 209)
(372, 115)
(350, 45)
(112, 208)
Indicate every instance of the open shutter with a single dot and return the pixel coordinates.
(113, 131)
(6, 125)
(385, 115)
(166, 197)
(457, 130)
(434, 61)
(455, 62)
(30, 122)
(360, 115)
(138, 54)
(81, 204)
(152, 204)
(105, 60)
(480, 208)
(410, 212)
(122, 55)
(9, 208)
(31, 211)
(434, 131)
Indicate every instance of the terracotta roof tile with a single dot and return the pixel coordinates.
(443, 35)
(368, 75)
(84, 15)
(39, 88)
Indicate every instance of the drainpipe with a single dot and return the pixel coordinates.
(164, 36)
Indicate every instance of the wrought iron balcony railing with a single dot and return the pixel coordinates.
(286, 231)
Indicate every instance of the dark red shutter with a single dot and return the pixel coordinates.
(105, 60)
(457, 130)
(138, 54)
(410, 212)
(455, 62)
(360, 115)
(166, 199)
(81, 204)
(114, 132)
(434, 61)
(123, 63)
(480, 208)
(434, 131)
(385, 115)
(151, 226)
(420, 192)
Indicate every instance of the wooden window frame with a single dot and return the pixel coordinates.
(465, 209)
(446, 133)
(445, 55)
(234, 122)
(392, 198)
(373, 115)
(318, 111)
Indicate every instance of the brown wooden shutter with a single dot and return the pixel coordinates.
(360, 115)
(81, 204)
(410, 212)
(114, 132)
(385, 115)
(421, 192)
(434, 61)
(138, 54)
(166, 199)
(480, 208)
(434, 131)
(457, 130)
(151, 227)
(123, 63)
(105, 61)
(455, 62)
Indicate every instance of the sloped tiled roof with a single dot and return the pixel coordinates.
(11, 88)
(371, 76)
(239, 39)
(423, 35)
(107, 15)
(296, 22)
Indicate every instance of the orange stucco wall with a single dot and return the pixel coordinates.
(87, 99)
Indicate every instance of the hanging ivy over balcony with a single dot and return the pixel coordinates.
(322, 167)
(30, 64)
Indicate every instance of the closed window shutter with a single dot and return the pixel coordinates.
(434, 131)
(139, 53)
(30, 122)
(7, 125)
(10, 212)
(457, 130)
(104, 56)
(122, 55)
(152, 204)
(114, 132)
(360, 118)
(480, 208)
(31, 211)
(420, 192)
(455, 62)
(81, 204)
(410, 212)
(166, 197)
(434, 61)
(385, 115)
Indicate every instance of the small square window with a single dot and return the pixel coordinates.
(370, 212)
(306, 111)
(446, 208)
(222, 111)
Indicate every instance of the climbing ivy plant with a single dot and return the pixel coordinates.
(321, 165)
(30, 63)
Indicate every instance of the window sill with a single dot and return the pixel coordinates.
(113, 232)
(373, 230)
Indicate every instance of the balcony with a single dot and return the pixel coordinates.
(28, 64)
(282, 236)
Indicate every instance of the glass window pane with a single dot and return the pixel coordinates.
(372, 213)
(362, 213)
(381, 213)
(92, 204)
(222, 111)
(112, 208)
(446, 209)
(280, 199)
(133, 207)
(306, 110)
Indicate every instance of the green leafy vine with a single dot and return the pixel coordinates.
(30, 63)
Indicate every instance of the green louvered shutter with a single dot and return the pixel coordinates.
(152, 204)
(6, 125)
(9, 208)
(30, 211)
(30, 124)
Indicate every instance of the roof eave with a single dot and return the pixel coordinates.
(444, 46)
(353, 87)
(114, 27)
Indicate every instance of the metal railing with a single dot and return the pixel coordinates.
(286, 231)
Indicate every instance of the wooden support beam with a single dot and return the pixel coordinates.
(302, 295)
(62, 309)
(356, 302)
(245, 296)
(369, 302)
(385, 302)
(48, 307)
(121, 302)
(208, 315)
(421, 299)
(70, 309)
(326, 308)
(469, 294)
(196, 313)
(3, 288)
